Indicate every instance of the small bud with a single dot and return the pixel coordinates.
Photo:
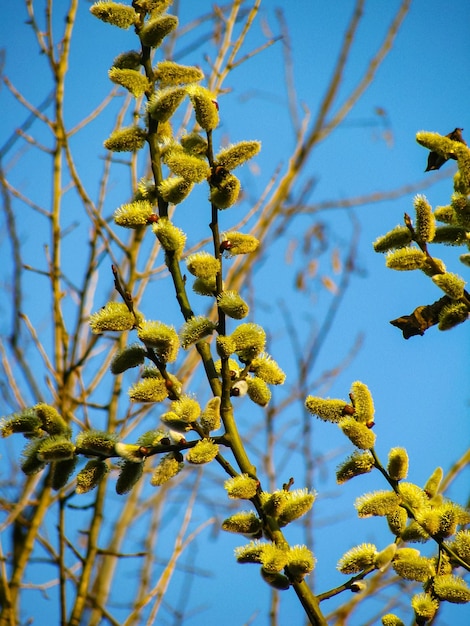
(203, 265)
(168, 467)
(405, 259)
(96, 442)
(163, 339)
(245, 523)
(242, 487)
(266, 368)
(133, 215)
(114, 13)
(451, 284)
(233, 305)
(425, 221)
(91, 475)
(129, 139)
(226, 192)
(358, 433)
(397, 463)
(239, 388)
(238, 243)
(128, 476)
(451, 589)
(171, 73)
(56, 448)
(210, 416)
(128, 357)
(235, 155)
(424, 606)
(363, 403)
(399, 237)
(453, 314)
(164, 102)
(377, 503)
(329, 410)
(250, 340)
(132, 80)
(115, 316)
(171, 238)
(358, 586)
(149, 390)
(156, 29)
(357, 559)
(251, 553)
(195, 329)
(355, 465)
(129, 451)
(204, 451)
(300, 562)
(444, 214)
(258, 391)
(205, 107)
(175, 189)
(385, 556)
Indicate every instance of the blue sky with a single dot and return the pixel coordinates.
(420, 386)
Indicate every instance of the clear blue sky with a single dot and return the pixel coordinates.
(420, 386)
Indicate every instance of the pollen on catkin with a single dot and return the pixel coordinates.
(425, 220)
(171, 73)
(195, 329)
(171, 238)
(163, 103)
(234, 243)
(357, 559)
(237, 154)
(203, 265)
(242, 486)
(128, 357)
(168, 467)
(163, 339)
(132, 80)
(134, 214)
(328, 410)
(128, 139)
(377, 503)
(204, 451)
(205, 107)
(358, 433)
(114, 316)
(156, 29)
(114, 13)
(405, 259)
